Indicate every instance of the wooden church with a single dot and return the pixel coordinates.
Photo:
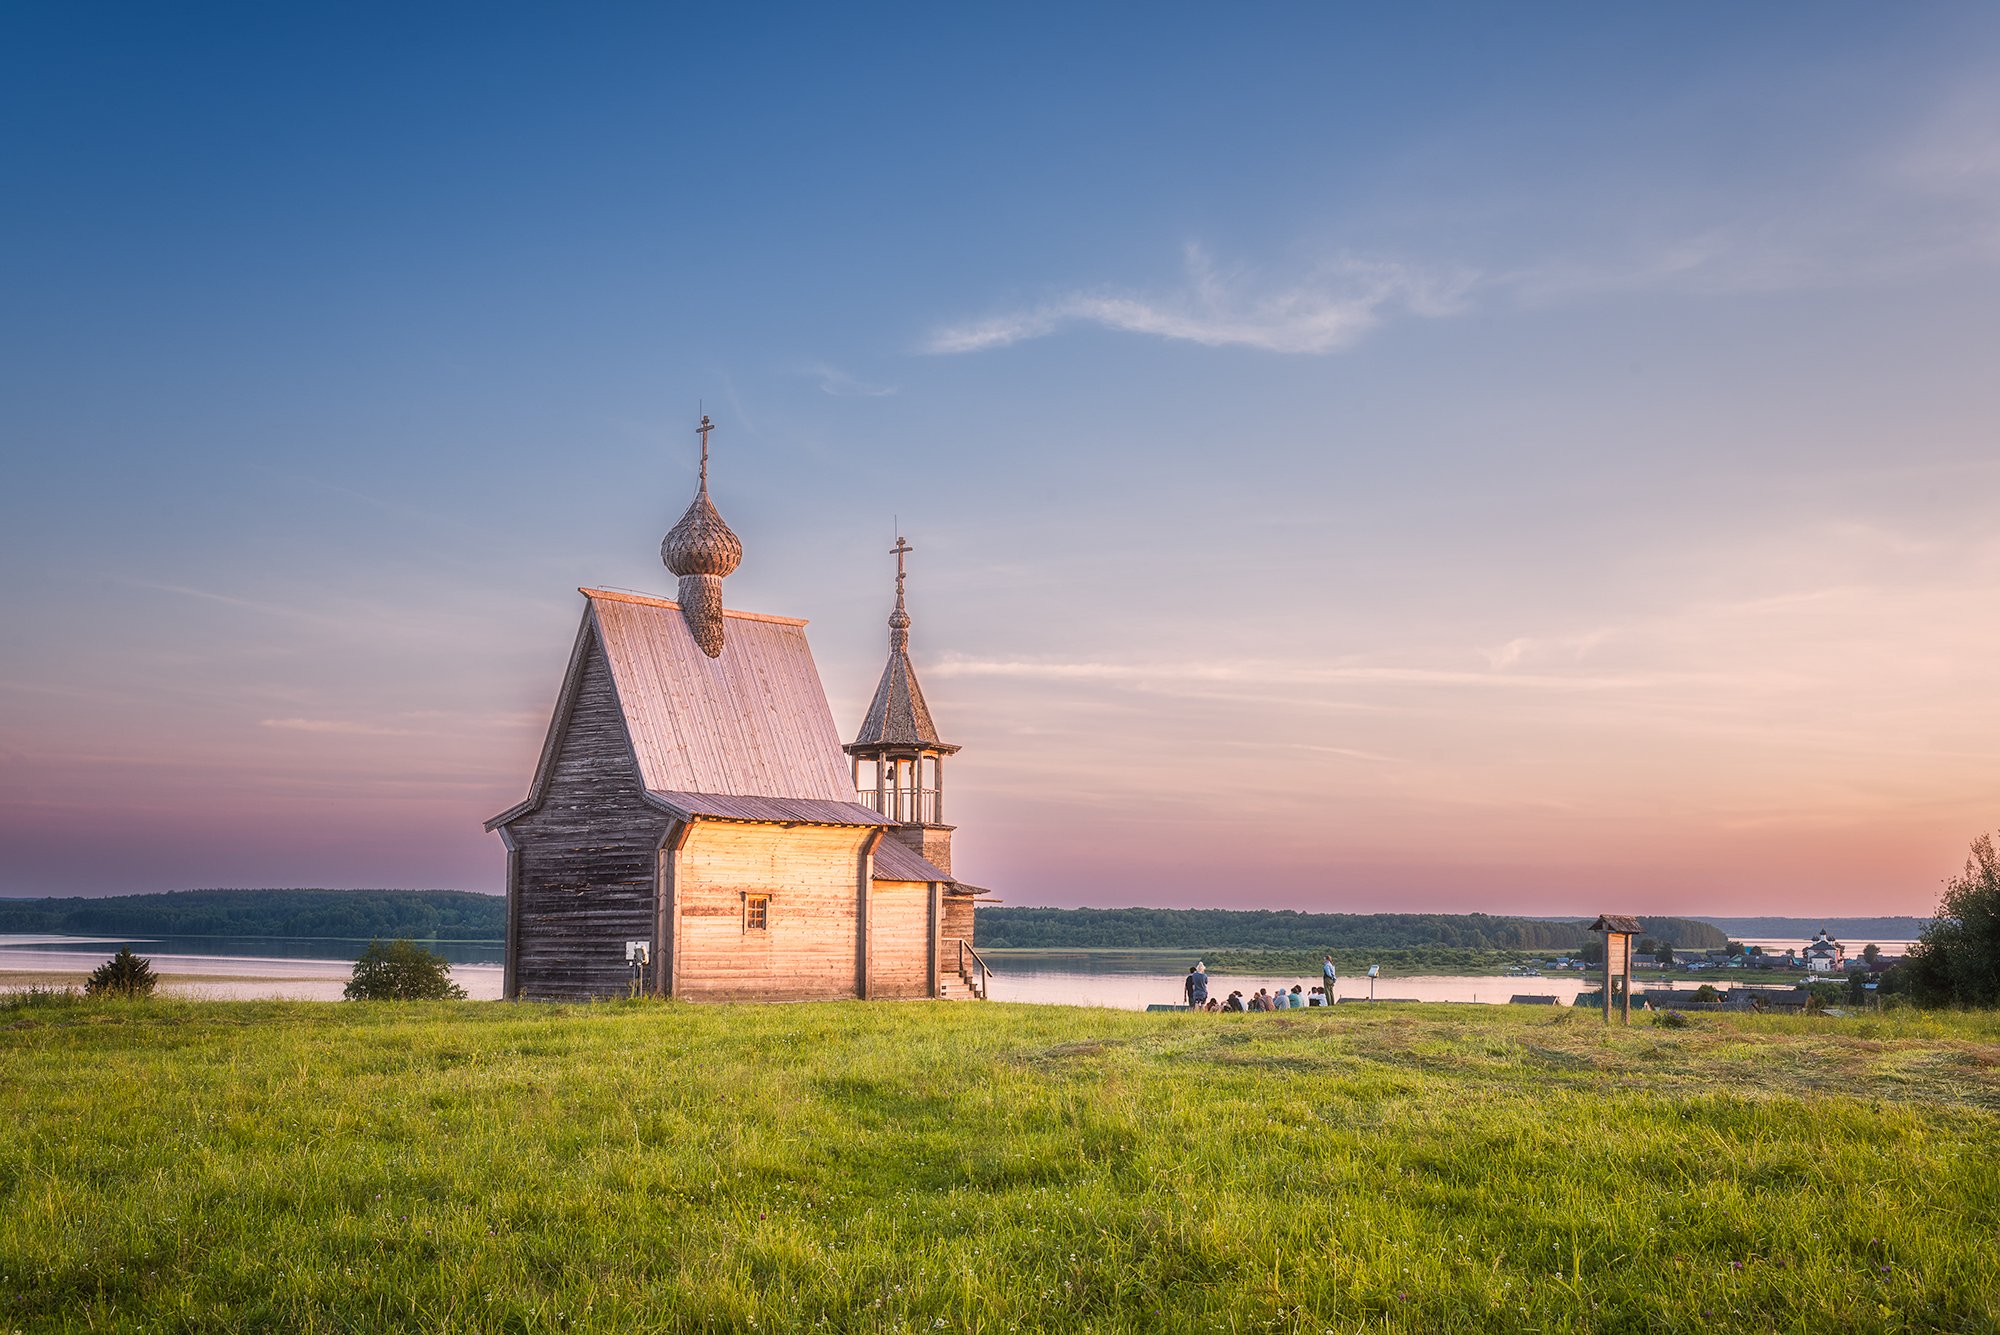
(696, 829)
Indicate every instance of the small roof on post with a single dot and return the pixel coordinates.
(1616, 922)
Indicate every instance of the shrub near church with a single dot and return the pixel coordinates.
(402, 971)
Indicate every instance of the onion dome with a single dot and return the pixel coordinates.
(702, 549)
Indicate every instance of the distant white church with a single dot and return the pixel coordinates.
(1824, 954)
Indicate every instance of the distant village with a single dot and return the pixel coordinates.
(1822, 960)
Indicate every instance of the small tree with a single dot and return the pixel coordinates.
(1734, 950)
(1957, 959)
(1664, 953)
(1871, 954)
(1707, 992)
(402, 971)
(123, 975)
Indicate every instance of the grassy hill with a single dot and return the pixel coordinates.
(648, 1166)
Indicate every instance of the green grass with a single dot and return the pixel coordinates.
(985, 1168)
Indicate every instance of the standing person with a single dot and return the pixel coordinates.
(1327, 978)
(1197, 986)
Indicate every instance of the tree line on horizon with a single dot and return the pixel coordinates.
(1007, 928)
(352, 914)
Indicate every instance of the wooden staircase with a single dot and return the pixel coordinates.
(962, 974)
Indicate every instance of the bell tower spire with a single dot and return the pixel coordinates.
(898, 757)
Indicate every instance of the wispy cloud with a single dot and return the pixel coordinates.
(1281, 673)
(841, 385)
(343, 727)
(1321, 311)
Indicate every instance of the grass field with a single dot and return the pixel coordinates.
(983, 1168)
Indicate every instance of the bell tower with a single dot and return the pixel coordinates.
(898, 759)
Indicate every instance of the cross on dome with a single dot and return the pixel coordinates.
(702, 431)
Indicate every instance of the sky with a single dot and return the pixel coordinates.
(1367, 457)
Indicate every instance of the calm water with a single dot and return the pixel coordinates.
(238, 968)
(316, 970)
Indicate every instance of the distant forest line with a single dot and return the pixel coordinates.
(462, 916)
(1846, 929)
(1004, 928)
(418, 915)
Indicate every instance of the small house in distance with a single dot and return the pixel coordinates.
(693, 830)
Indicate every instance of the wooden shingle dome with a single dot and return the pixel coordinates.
(702, 550)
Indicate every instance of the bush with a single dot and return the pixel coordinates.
(402, 971)
(1671, 1020)
(37, 998)
(1957, 960)
(123, 975)
(1707, 992)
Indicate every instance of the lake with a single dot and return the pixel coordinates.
(233, 968)
(316, 969)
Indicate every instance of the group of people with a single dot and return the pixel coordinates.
(1195, 989)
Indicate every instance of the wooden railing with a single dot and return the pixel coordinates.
(971, 968)
(919, 805)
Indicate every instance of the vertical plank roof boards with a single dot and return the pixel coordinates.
(745, 735)
(752, 721)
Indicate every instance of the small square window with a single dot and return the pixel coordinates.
(756, 913)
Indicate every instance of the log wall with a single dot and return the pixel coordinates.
(931, 842)
(899, 948)
(958, 910)
(585, 880)
(810, 950)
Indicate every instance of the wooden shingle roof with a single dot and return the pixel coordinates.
(1616, 922)
(751, 722)
(898, 715)
(899, 862)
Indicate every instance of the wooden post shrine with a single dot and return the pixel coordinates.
(1618, 932)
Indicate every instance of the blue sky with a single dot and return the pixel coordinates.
(1474, 457)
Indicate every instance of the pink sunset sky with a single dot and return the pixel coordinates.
(1353, 464)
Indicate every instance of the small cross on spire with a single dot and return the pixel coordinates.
(702, 431)
(899, 551)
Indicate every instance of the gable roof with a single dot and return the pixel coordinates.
(1615, 922)
(746, 735)
(751, 722)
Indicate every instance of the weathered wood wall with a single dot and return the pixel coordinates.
(958, 910)
(585, 883)
(931, 842)
(810, 950)
(899, 950)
